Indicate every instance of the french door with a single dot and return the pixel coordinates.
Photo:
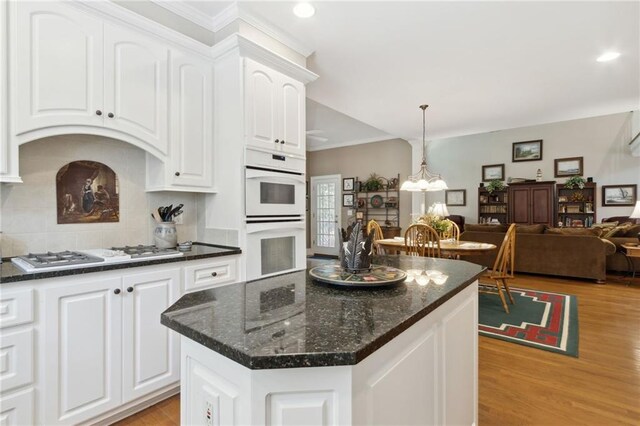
(326, 193)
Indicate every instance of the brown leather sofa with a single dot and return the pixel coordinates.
(541, 251)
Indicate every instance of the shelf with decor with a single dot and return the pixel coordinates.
(493, 205)
(378, 198)
(575, 206)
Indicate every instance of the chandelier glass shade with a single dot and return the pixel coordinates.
(424, 180)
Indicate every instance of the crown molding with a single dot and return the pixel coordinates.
(352, 142)
(250, 49)
(187, 12)
(231, 13)
(138, 22)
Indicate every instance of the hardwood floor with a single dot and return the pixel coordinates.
(519, 385)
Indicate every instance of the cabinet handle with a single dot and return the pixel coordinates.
(130, 289)
(116, 291)
(110, 115)
(282, 141)
(277, 141)
(177, 173)
(214, 274)
(98, 112)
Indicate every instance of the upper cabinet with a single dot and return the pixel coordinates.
(76, 70)
(190, 160)
(274, 110)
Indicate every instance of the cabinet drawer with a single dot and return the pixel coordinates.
(210, 273)
(17, 409)
(16, 359)
(16, 307)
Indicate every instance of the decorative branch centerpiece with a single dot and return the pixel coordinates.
(355, 268)
(355, 254)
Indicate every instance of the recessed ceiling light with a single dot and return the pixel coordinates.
(304, 10)
(608, 56)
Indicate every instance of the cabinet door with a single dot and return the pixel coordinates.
(58, 75)
(519, 205)
(136, 69)
(82, 365)
(542, 205)
(292, 115)
(191, 112)
(16, 409)
(260, 106)
(150, 350)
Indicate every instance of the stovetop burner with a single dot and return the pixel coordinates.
(48, 259)
(145, 251)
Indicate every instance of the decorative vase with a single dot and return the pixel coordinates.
(166, 235)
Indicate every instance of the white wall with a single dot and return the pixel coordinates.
(28, 217)
(602, 141)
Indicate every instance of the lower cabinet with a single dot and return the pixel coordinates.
(105, 345)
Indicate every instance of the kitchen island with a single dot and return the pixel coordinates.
(287, 350)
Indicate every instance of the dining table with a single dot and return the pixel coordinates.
(448, 247)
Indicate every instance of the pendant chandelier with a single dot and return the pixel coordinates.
(424, 180)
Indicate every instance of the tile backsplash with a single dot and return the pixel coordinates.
(28, 219)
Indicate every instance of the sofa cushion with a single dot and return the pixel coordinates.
(485, 228)
(574, 231)
(530, 229)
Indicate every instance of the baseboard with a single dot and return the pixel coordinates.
(136, 406)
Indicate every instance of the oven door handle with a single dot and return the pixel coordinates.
(253, 228)
(274, 176)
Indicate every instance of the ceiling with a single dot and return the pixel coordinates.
(481, 66)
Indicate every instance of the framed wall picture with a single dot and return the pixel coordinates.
(455, 197)
(347, 200)
(527, 151)
(619, 195)
(492, 172)
(565, 167)
(348, 183)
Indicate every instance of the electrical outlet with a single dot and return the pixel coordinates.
(208, 415)
(179, 219)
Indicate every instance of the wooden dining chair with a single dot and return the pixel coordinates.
(373, 226)
(502, 269)
(452, 232)
(422, 240)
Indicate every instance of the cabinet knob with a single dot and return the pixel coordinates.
(214, 274)
(277, 141)
(130, 289)
(110, 115)
(98, 112)
(116, 291)
(177, 173)
(282, 141)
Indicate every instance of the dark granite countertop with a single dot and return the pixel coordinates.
(289, 321)
(9, 273)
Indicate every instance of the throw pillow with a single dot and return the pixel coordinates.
(617, 231)
(485, 228)
(605, 225)
(632, 231)
(530, 229)
(573, 231)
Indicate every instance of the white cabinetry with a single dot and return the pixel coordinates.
(105, 344)
(16, 357)
(73, 69)
(8, 153)
(274, 110)
(190, 163)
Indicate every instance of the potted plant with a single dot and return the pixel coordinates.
(575, 182)
(495, 185)
(373, 183)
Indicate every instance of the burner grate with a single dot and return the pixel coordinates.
(145, 251)
(48, 259)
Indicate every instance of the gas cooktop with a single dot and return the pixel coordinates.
(50, 261)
